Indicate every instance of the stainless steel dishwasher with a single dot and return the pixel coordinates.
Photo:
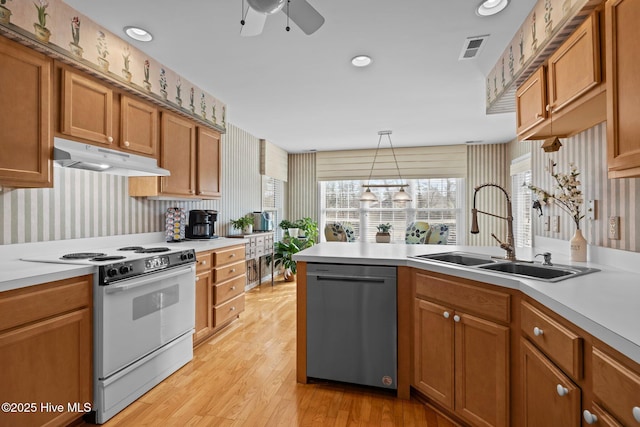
(352, 324)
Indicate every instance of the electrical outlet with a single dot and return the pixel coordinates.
(547, 220)
(614, 227)
(555, 224)
(592, 210)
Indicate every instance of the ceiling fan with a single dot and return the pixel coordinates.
(299, 11)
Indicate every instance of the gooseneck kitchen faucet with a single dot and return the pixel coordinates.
(509, 245)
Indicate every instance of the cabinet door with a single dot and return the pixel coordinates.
(208, 163)
(433, 351)
(623, 87)
(481, 370)
(575, 67)
(47, 361)
(542, 380)
(25, 105)
(531, 102)
(178, 154)
(87, 109)
(139, 125)
(204, 304)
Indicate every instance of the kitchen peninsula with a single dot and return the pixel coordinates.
(500, 338)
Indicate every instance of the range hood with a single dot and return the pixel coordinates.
(77, 155)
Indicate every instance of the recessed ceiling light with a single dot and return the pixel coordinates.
(138, 33)
(361, 61)
(491, 7)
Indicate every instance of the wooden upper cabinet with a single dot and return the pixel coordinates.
(572, 96)
(25, 127)
(87, 108)
(575, 67)
(622, 32)
(208, 163)
(531, 102)
(178, 154)
(139, 126)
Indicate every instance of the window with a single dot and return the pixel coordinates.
(522, 211)
(272, 202)
(436, 201)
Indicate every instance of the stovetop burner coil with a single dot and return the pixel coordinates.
(108, 258)
(152, 250)
(82, 255)
(131, 248)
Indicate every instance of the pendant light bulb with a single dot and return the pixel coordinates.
(401, 196)
(368, 196)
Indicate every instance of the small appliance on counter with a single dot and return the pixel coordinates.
(262, 221)
(202, 224)
(175, 224)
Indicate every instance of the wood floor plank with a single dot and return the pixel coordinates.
(245, 376)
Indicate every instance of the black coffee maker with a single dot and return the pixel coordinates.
(202, 224)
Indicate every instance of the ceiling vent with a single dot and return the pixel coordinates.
(472, 46)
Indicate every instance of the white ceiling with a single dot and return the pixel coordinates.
(302, 93)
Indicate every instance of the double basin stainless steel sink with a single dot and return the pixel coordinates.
(547, 273)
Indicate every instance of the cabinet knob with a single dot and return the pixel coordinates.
(538, 116)
(446, 314)
(233, 270)
(562, 391)
(636, 413)
(197, 278)
(589, 417)
(232, 255)
(232, 309)
(127, 143)
(203, 262)
(233, 288)
(456, 318)
(110, 139)
(537, 331)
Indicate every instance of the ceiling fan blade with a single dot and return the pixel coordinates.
(304, 16)
(253, 23)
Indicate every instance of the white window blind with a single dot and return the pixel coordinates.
(274, 161)
(436, 201)
(522, 212)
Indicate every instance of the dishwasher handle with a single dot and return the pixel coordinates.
(349, 279)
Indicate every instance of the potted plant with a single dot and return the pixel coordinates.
(244, 223)
(41, 31)
(283, 256)
(310, 229)
(289, 227)
(383, 235)
(5, 13)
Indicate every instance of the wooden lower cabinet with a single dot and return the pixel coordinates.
(220, 283)
(461, 360)
(46, 351)
(550, 398)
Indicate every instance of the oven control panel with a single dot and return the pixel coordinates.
(128, 269)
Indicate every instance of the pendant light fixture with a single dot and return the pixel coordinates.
(400, 195)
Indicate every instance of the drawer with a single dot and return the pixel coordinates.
(470, 298)
(559, 343)
(252, 242)
(228, 310)
(204, 261)
(26, 305)
(223, 273)
(229, 289)
(260, 241)
(229, 255)
(251, 253)
(259, 251)
(616, 387)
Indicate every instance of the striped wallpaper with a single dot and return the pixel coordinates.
(487, 163)
(90, 204)
(616, 197)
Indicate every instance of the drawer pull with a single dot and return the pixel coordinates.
(233, 288)
(456, 318)
(446, 314)
(233, 270)
(197, 278)
(110, 139)
(562, 391)
(232, 255)
(203, 262)
(636, 413)
(537, 331)
(589, 417)
(126, 143)
(232, 309)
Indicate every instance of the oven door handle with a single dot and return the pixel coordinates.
(136, 283)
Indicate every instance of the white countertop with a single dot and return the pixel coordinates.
(15, 273)
(604, 303)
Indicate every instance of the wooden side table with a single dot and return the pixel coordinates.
(260, 244)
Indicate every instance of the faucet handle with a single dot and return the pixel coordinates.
(547, 258)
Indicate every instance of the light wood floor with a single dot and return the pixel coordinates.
(245, 376)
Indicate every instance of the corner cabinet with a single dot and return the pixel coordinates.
(623, 87)
(25, 103)
(567, 94)
(461, 348)
(46, 350)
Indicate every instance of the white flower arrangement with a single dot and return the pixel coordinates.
(567, 197)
